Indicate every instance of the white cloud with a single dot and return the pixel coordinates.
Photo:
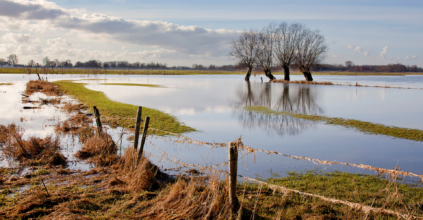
(337, 56)
(414, 57)
(7, 48)
(124, 48)
(357, 49)
(26, 50)
(192, 40)
(17, 38)
(367, 52)
(383, 53)
(58, 42)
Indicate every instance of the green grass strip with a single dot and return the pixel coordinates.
(133, 84)
(363, 126)
(124, 112)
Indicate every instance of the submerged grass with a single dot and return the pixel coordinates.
(363, 126)
(134, 84)
(6, 84)
(125, 113)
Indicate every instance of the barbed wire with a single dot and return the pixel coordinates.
(392, 172)
(357, 206)
(178, 161)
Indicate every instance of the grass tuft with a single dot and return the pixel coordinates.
(34, 151)
(45, 87)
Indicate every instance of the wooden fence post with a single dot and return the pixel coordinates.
(144, 134)
(39, 78)
(97, 119)
(137, 128)
(233, 169)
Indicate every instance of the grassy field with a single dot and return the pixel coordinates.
(363, 126)
(110, 194)
(120, 113)
(182, 72)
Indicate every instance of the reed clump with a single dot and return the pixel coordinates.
(34, 151)
(69, 107)
(45, 87)
(99, 149)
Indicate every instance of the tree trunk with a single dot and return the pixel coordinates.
(307, 76)
(286, 72)
(247, 77)
(269, 75)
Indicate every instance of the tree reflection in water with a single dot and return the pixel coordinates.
(301, 99)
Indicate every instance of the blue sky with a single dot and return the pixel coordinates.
(187, 32)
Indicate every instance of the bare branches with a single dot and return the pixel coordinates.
(287, 43)
(12, 59)
(287, 39)
(310, 51)
(265, 47)
(245, 50)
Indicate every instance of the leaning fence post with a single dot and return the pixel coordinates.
(97, 119)
(137, 128)
(39, 78)
(233, 169)
(144, 134)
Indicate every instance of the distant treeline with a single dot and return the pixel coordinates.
(350, 67)
(12, 61)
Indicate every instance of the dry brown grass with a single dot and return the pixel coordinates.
(45, 87)
(34, 151)
(142, 176)
(73, 123)
(301, 82)
(99, 149)
(69, 107)
(52, 101)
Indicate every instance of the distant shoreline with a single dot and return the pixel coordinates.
(186, 72)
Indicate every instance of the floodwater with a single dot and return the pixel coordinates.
(214, 105)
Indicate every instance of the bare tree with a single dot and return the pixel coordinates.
(12, 59)
(310, 51)
(56, 64)
(266, 40)
(349, 64)
(2, 61)
(46, 63)
(31, 63)
(287, 38)
(245, 50)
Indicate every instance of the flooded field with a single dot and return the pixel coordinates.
(214, 106)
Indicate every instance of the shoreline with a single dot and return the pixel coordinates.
(189, 72)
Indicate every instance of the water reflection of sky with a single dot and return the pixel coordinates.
(214, 106)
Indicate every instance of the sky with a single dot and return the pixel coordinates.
(184, 32)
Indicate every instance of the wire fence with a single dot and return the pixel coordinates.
(180, 139)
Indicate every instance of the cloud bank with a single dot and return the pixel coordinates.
(191, 40)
